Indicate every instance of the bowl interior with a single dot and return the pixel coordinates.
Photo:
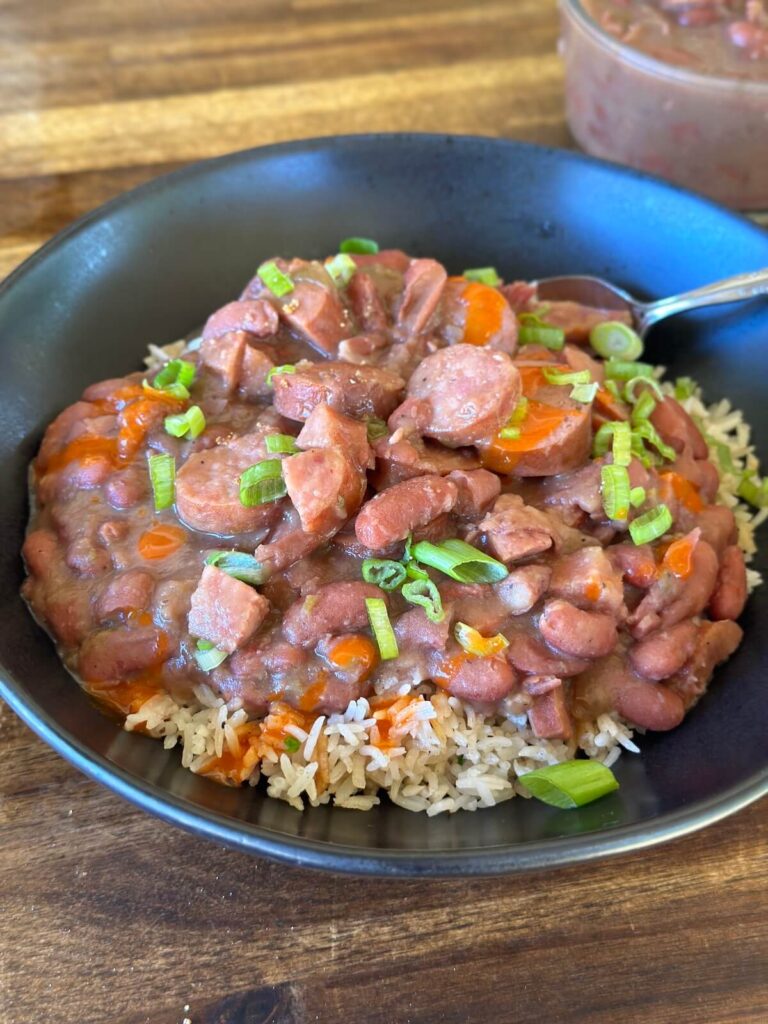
(152, 265)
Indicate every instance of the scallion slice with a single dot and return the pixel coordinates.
(162, 475)
(383, 572)
(512, 428)
(281, 444)
(622, 443)
(613, 390)
(684, 388)
(509, 433)
(650, 435)
(460, 561)
(376, 429)
(262, 483)
(341, 268)
(425, 594)
(177, 371)
(276, 371)
(209, 657)
(584, 393)
(614, 486)
(415, 572)
(361, 246)
(176, 390)
(637, 496)
(238, 565)
(753, 490)
(534, 331)
(554, 376)
(619, 369)
(722, 453)
(643, 408)
(191, 422)
(570, 784)
(476, 644)
(648, 382)
(483, 275)
(614, 340)
(382, 628)
(651, 526)
(273, 278)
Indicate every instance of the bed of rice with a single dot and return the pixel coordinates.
(440, 755)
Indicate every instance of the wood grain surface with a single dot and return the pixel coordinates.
(110, 916)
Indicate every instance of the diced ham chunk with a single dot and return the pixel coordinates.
(478, 489)
(523, 587)
(589, 580)
(549, 715)
(325, 486)
(328, 428)
(515, 530)
(225, 611)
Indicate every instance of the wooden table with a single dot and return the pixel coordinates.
(110, 916)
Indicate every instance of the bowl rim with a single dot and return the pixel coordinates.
(652, 65)
(299, 851)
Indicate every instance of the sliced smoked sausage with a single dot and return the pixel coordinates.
(357, 391)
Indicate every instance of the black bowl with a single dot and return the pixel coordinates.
(151, 265)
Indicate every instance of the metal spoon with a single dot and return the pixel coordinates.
(593, 291)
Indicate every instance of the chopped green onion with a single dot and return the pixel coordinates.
(191, 422)
(460, 561)
(650, 526)
(376, 429)
(622, 444)
(509, 433)
(644, 406)
(554, 376)
(637, 496)
(281, 444)
(619, 369)
(613, 390)
(570, 784)
(614, 340)
(475, 643)
(425, 594)
(649, 382)
(383, 572)
(723, 454)
(209, 657)
(408, 553)
(341, 268)
(382, 628)
(753, 490)
(650, 435)
(278, 370)
(262, 483)
(512, 428)
(584, 392)
(177, 390)
(291, 744)
(162, 475)
(483, 275)
(414, 572)
(177, 371)
(641, 453)
(361, 246)
(684, 388)
(534, 331)
(238, 565)
(273, 278)
(614, 485)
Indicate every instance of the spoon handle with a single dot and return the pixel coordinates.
(732, 289)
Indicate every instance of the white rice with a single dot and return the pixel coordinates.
(442, 755)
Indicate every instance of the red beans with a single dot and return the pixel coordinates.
(578, 633)
(333, 609)
(612, 686)
(112, 654)
(677, 428)
(730, 594)
(485, 680)
(664, 653)
(393, 514)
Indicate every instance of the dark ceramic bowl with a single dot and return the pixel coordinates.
(151, 265)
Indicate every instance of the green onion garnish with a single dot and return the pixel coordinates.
(637, 496)
(191, 422)
(376, 429)
(650, 435)
(209, 657)
(614, 486)
(753, 490)
(648, 382)
(291, 744)
(414, 572)
(614, 340)
(361, 246)
(555, 376)
(512, 428)
(722, 453)
(619, 369)
(383, 572)
(238, 565)
(618, 435)
(177, 371)
(584, 392)
(273, 278)
(571, 784)
(281, 444)
(643, 407)
(641, 453)
(341, 268)
(162, 475)
(483, 275)
(277, 370)
(425, 594)
(651, 526)
(509, 433)
(177, 390)
(262, 483)
(613, 390)
(460, 561)
(684, 388)
(382, 628)
(534, 331)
